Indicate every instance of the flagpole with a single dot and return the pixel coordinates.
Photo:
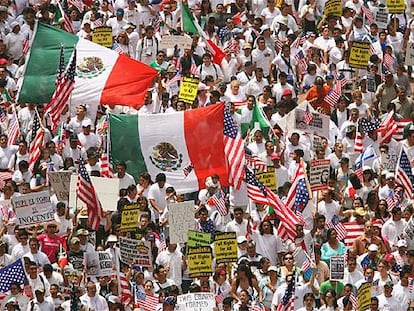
(306, 179)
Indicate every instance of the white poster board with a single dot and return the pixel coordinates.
(182, 42)
(135, 251)
(381, 18)
(60, 182)
(319, 125)
(107, 190)
(33, 208)
(319, 174)
(180, 220)
(196, 302)
(98, 264)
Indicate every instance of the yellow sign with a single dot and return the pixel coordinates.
(129, 217)
(333, 8)
(103, 36)
(200, 261)
(359, 56)
(267, 178)
(196, 238)
(364, 296)
(225, 247)
(188, 90)
(395, 6)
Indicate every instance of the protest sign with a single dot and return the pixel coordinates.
(60, 182)
(102, 36)
(364, 296)
(381, 18)
(409, 55)
(129, 217)
(180, 220)
(188, 90)
(33, 208)
(409, 230)
(359, 54)
(395, 6)
(196, 238)
(182, 42)
(318, 126)
(135, 251)
(319, 174)
(267, 178)
(77, 261)
(225, 247)
(200, 261)
(333, 8)
(337, 268)
(98, 263)
(371, 84)
(196, 302)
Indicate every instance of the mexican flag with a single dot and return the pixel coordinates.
(258, 121)
(187, 146)
(102, 76)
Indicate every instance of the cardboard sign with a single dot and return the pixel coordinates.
(200, 261)
(103, 36)
(195, 302)
(364, 296)
(395, 6)
(267, 178)
(319, 125)
(319, 174)
(180, 220)
(33, 208)
(371, 84)
(129, 218)
(381, 18)
(225, 247)
(98, 264)
(359, 55)
(107, 190)
(182, 42)
(196, 238)
(409, 55)
(188, 90)
(333, 8)
(337, 268)
(135, 251)
(60, 182)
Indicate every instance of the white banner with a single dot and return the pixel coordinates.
(33, 208)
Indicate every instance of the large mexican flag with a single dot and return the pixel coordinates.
(102, 76)
(186, 146)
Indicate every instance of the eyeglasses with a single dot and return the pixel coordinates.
(288, 258)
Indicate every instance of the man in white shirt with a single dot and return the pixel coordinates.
(35, 255)
(238, 224)
(157, 194)
(86, 138)
(125, 179)
(386, 301)
(92, 301)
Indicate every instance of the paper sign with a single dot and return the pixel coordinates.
(180, 220)
(371, 84)
(318, 126)
(103, 36)
(409, 55)
(196, 238)
(195, 302)
(136, 252)
(33, 208)
(381, 18)
(319, 174)
(359, 55)
(60, 182)
(129, 217)
(225, 247)
(200, 261)
(337, 268)
(188, 90)
(182, 42)
(98, 264)
(395, 6)
(333, 8)
(267, 178)
(364, 296)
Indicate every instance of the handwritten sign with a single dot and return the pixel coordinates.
(195, 302)
(182, 42)
(33, 208)
(319, 174)
(98, 263)
(196, 238)
(318, 126)
(200, 261)
(60, 182)
(135, 251)
(188, 90)
(102, 36)
(129, 217)
(337, 268)
(333, 8)
(225, 247)
(395, 6)
(180, 220)
(359, 54)
(267, 178)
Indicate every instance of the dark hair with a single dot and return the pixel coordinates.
(160, 177)
(261, 227)
(122, 163)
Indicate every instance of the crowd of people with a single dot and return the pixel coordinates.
(279, 56)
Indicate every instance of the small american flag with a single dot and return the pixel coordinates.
(299, 41)
(126, 294)
(353, 301)
(188, 169)
(97, 23)
(392, 200)
(404, 174)
(219, 297)
(3, 116)
(288, 300)
(334, 223)
(239, 17)
(253, 161)
(176, 78)
(26, 45)
(102, 126)
(358, 146)
(308, 116)
(163, 245)
(301, 60)
(36, 142)
(220, 203)
(232, 46)
(106, 169)
(117, 48)
(14, 129)
(278, 43)
(4, 176)
(146, 302)
(333, 97)
(194, 70)
(388, 127)
(401, 124)
(369, 125)
(388, 61)
(367, 12)
(77, 4)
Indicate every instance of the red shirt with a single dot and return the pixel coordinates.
(50, 246)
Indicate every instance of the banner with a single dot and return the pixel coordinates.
(33, 208)
(188, 90)
(225, 247)
(129, 218)
(395, 6)
(60, 182)
(364, 296)
(337, 268)
(319, 174)
(196, 238)
(333, 8)
(103, 36)
(182, 42)
(135, 252)
(180, 220)
(195, 302)
(267, 178)
(200, 261)
(98, 264)
(359, 55)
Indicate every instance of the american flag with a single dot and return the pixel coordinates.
(392, 200)
(102, 126)
(253, 161)
(156, 22)
(126, 294)
(233, 150)
(388, 127)
(4, 176)
(67, 22)
(359, 144)
(308, 116)
(288, 300)
(220, 203)
(367, 12)
(299, 41)
(354, 230)
(333, 97)
(301, 60)
(13, 273)
(163, 245)
(334, 223)
(194, 70)
(401, 124)
(232, 46)
(77, 4)
(61, 69)
(404, 174)
(353, 301)
(298, 196)
(117, 48)
(176, 78)
(26, 45)
(219, 297)
(62, 93)
(97, 23)
(388, 60)
(3, 116)
(258, 192)
(278, 43)
(86, 193)
(369, 125)
(306, 265)
(146, 302)
(36, 142)
(239, 17)
(106, 169)
(188, 169)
